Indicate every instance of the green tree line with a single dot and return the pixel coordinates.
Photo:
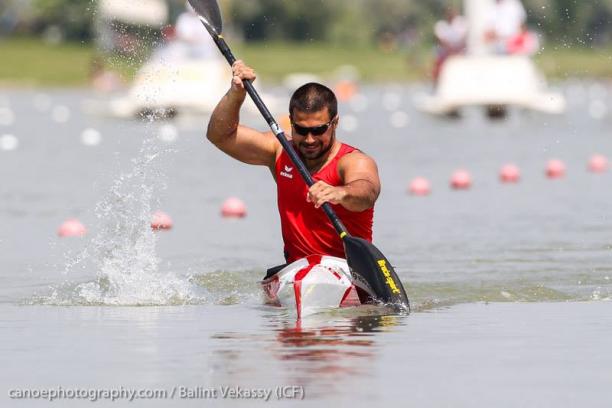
(566, 22)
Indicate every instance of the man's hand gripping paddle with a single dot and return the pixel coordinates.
(366, 262)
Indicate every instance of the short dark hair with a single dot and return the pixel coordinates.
(313, 97)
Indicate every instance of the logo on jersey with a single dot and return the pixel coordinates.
(287, 172)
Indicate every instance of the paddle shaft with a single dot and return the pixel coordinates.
(280, 135)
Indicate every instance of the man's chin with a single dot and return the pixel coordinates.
(310, 154)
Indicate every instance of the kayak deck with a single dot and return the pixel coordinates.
(314, 284)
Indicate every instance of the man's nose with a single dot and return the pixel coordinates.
(309, 138)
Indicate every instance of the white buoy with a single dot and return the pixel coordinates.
(359, 103)
(598, 109)
(42, 102)
(598, 91)
(8, 142)
(349, 123)
(391, 101)
(91, 137)
(575, 94)
(167, 133)
(7, 116)
(60, 114)
(399, 119)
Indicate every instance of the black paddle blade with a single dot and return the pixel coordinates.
(366, 261)
(211, 16)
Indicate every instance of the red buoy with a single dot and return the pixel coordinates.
(555, 169)
(71, 228)
(233, 208)
(461, 180)
(509, 173)
(420, 186)
(161, 221)
(598, 163)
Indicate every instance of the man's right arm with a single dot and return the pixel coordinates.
(224, 129)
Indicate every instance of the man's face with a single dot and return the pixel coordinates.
(313, 146)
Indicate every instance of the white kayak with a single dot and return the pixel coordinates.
(315, 284)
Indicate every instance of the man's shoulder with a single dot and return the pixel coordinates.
(352, 153)
(356, 161)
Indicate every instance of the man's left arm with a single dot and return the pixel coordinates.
(361, 187)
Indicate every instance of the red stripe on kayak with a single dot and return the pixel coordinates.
(297, 289)
(346, 293)
(297, 281)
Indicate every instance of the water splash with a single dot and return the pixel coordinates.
(123, 251)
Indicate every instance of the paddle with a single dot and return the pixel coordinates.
(366, 262)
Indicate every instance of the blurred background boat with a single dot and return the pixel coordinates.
(485, 61)
(185, 73)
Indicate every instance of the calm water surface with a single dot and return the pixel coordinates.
(510, 283)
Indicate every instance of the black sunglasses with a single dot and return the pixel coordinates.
(314, 130)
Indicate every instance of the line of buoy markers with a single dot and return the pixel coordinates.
(235, 208)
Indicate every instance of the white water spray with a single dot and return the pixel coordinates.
(123, 251)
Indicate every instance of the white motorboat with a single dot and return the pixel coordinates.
(491, 81)
(166, 88)
(485, 78)
(186, 75)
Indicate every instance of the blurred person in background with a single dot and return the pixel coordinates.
(505, 21)
(450, 35)
(103, 79)
(187, 40)
(524, 43)
(190, 32)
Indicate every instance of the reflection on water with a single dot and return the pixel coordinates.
(504, 355)
(322, 353)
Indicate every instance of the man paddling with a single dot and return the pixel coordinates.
(345, 177)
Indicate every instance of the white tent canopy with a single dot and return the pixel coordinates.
(140, 12)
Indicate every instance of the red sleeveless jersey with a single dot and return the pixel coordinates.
(306, 229)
